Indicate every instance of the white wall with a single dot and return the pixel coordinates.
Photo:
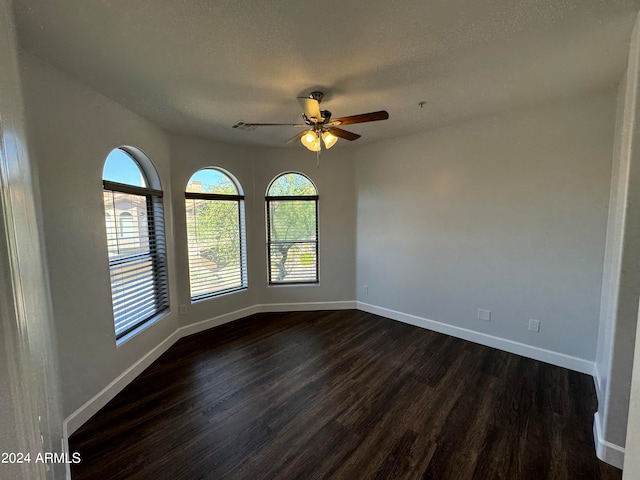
(71, 131)
(613, 251)
(506, 213)
(28, 372)
(621, 282)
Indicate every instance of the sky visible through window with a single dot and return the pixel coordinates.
(294, 184)
(210, 180)
(120, 167)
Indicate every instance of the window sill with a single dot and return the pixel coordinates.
(218, 295)
(125, 338)
(293, 284)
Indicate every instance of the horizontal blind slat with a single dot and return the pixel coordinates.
(135, 242)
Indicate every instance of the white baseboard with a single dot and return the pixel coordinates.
(606, 451)
(536, 353)
(597, 380)
(306, 306)
(91, 406)
(263, 308)
(216, 321)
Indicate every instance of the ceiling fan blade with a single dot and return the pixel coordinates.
(362, 118)
(338, 132)
(311, 108)
(296, 137)
(243, 124)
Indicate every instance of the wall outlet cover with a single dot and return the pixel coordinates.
(484, 315)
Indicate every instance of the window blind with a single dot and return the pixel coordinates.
(216, 244)
(292, 224)
(137, 256)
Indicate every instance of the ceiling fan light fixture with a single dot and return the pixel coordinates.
(329, 139)
(311, 140)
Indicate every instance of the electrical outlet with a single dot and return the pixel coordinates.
(534, 325)
(183, 309)
(484, 315)
(365, 288)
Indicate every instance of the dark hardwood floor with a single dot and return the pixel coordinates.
(342, 395)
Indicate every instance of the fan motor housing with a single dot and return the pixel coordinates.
(317, 96)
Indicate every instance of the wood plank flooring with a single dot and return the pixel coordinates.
(342, 395)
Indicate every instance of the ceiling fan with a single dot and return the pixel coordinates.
(319, 125)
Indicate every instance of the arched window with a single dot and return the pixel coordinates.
(135, 239)
(215, 234)
(292, 229)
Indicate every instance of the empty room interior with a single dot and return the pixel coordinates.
(295, 240)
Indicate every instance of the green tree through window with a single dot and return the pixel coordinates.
(292, 222)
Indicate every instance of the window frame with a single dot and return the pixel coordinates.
(239, 199)
(316, 242)
(155, 251)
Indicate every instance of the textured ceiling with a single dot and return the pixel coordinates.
(200, 66)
